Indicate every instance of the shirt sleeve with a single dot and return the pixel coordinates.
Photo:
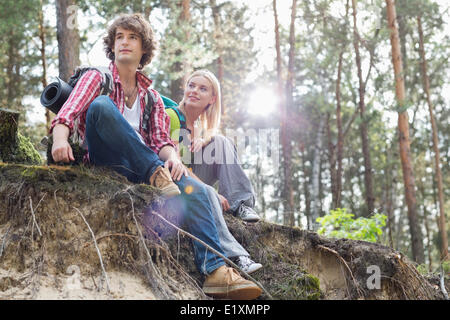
(85, 91)
(160, 126)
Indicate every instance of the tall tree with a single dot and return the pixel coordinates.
(218, 43)
(370, 199)
(437, 156)
(336, 157)
(68, 37)
(404, 141)
(42, 37)
(181, 66)
(286, 132)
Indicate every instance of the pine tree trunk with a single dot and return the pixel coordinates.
(363, 127)
(177, 85)
(404, 141)
(307, 193)
(218, 39)
(289, 109)
(284, 127)
(340, 139)
(48, 117)
(9, 122)
(68, 38)
(438, 173)
(186, 19)
(390, 183)
(332, 164)
(315, 177)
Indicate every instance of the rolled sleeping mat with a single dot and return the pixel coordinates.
(55, 95)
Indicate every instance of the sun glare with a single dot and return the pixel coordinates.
(263, 101)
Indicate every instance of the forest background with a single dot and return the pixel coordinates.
(317, 75)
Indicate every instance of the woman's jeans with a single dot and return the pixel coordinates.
(220, 163)
(113, 142)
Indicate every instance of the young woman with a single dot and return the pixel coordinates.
(214, 158)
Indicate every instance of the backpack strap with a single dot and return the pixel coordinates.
(150, 100)
(106, 86)
(107, 81)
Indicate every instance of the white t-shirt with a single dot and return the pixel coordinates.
(133, 116)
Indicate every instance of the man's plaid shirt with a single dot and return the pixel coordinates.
(88, 88)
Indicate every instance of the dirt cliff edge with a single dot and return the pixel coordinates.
(50, 216)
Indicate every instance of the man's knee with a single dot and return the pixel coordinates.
(101, 105)
(192, 187)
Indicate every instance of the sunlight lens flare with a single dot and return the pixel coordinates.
(263, 101)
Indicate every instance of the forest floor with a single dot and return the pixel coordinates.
(50, 216)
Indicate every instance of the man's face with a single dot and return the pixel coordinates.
(127, 46)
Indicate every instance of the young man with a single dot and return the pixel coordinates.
(113, 128)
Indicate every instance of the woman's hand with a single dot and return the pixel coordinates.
(176, 167)
(224, 203)
(196, 145)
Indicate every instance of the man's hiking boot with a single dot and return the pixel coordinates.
(247, 214)
(246, 264)
(161, 179)
(227, 283)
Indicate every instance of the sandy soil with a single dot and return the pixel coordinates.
(123, 286)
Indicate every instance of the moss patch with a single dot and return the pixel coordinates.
(302, 286)
(25, 151)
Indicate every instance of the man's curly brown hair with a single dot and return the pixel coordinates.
(136, 23)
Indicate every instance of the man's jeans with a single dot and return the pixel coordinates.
(113, 142)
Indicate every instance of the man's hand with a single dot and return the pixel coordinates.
(62, 152)
(224, 203)
(61, 149)
(177, 168)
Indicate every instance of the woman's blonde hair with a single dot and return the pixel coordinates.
(210, 118)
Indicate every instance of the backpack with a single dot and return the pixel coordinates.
(177, 122)
(107, 79)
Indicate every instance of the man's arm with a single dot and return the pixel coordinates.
(61, 150)
(85, 91)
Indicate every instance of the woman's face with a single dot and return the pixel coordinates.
(199, 93)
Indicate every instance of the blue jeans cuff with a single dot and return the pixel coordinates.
(214, 267)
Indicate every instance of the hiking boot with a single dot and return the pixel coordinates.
(161, 179)
(227, 283)
(247, 265)
(247, 214)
